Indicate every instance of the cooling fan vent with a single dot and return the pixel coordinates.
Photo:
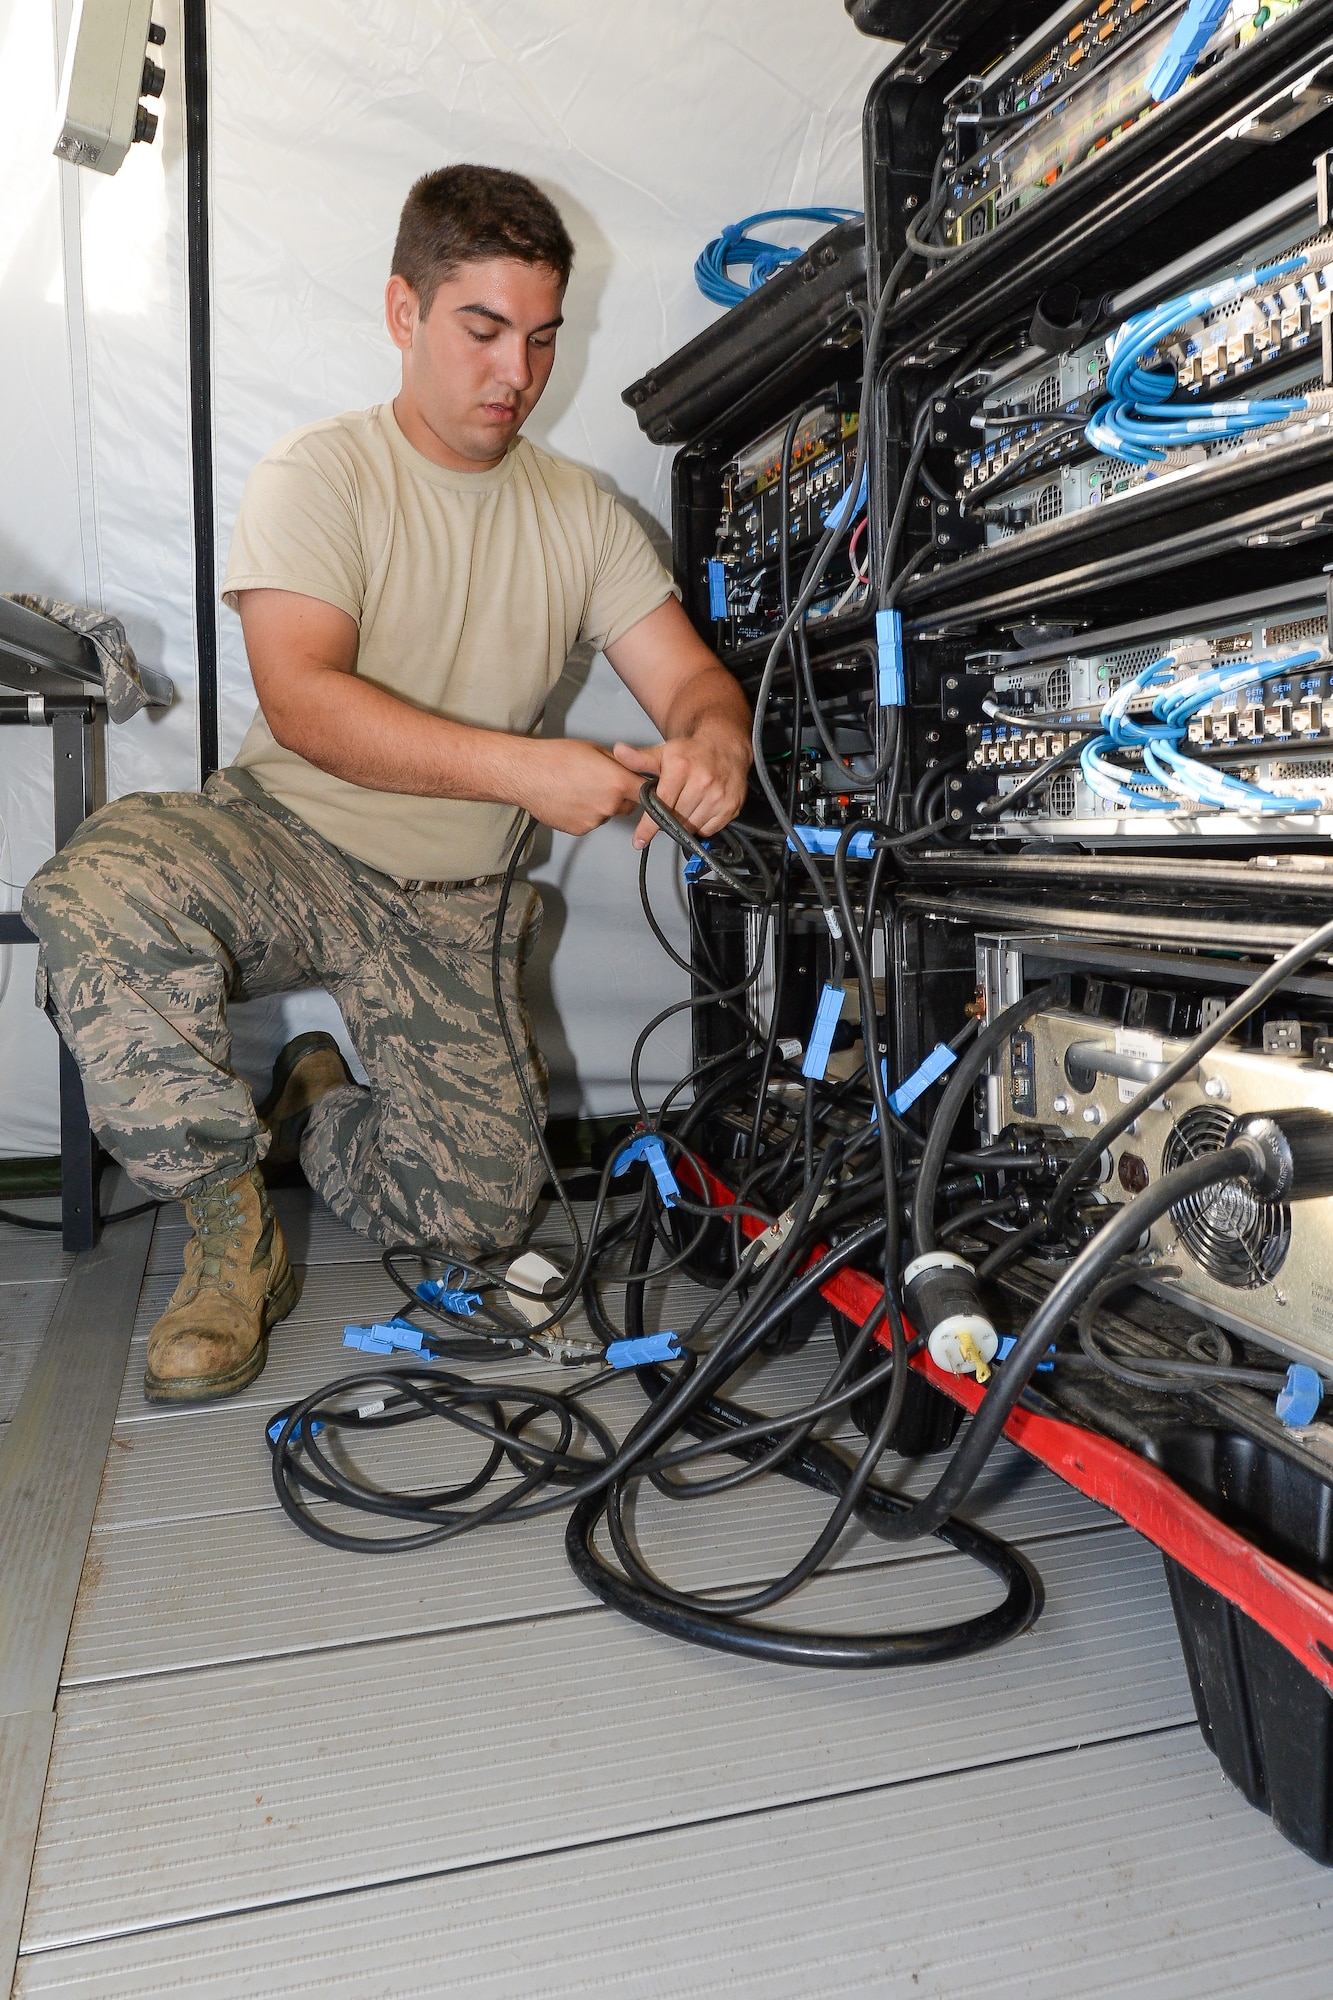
(1062, 797)
(1234, 1236)
(1059, 688)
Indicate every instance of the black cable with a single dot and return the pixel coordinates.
(1008, 1381)
(1148, 1372)
(957, 1093)
(17, 1221)
(1003, 802)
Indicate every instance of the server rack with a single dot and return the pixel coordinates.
(1035, 577)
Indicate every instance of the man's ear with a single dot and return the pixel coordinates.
(401, 311)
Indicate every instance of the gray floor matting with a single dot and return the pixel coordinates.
(25, 1314)
(1129, 1868)
(329, 1771)
(283, 1770)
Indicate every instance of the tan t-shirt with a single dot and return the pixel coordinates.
(469, 589)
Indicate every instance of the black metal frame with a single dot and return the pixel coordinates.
(74, 721)
(200, 343)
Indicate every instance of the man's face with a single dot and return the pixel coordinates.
(475, 366)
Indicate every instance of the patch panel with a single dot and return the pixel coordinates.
(1032, 424)
(1071, 486)
(1274, 733)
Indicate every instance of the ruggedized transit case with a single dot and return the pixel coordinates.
(1095, 535)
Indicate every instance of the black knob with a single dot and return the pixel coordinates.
(156, 33)
(150, 84)
(145, 125)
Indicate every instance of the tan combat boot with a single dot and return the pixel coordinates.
(306, 1070)
(213, 1337)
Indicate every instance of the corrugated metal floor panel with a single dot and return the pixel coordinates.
(306, 1349)
(180, 1797)
(314, 1236)
(25, 1313)
(141, 1609)
(1128, 1868)
(284, 1771)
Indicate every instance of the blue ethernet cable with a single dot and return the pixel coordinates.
(1141, 420)
(1158, 739)
(736, 246)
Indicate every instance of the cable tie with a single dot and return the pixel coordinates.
(889, 643)
(1299, 1397)
(638, 1353)
(824, 840)
(649, 1147)
(436, 1292)
(941, 1057)
(827, 1016)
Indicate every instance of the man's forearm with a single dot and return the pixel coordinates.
(369, 737)
(710, 700)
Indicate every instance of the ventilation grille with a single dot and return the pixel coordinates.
(1231, 1234)
(1062, 796)
(1051, 503)
(1305, 771)
(1059, 687)
(1046, 396)
(1294, 630)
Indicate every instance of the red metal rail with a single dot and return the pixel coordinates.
(1295, 1612)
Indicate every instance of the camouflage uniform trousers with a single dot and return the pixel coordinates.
(163, 907)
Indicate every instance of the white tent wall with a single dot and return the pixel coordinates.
(651, 122)
(95, 497)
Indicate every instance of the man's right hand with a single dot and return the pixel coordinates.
(573, 786)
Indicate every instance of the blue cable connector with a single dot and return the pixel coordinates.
(827, 1016)
(648, 1147)
(388, 1337)
(889, 645)
(824, 840)
(1299, 1397)
(1198, 22)
(940, 1058)
(437, 1292)
(638, 1353)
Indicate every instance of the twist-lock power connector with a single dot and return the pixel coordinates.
(942, 1300)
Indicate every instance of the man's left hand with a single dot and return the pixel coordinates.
(701, 778)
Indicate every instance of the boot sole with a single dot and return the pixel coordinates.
(211, 1388)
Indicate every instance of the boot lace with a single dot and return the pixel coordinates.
(218, 1214)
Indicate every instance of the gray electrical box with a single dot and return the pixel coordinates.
(108, 70)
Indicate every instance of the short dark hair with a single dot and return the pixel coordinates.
(459, 215)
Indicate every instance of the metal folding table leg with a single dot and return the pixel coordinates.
(74, 771)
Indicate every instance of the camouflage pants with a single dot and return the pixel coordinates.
(163, 907)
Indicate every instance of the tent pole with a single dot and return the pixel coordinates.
(198, 271)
